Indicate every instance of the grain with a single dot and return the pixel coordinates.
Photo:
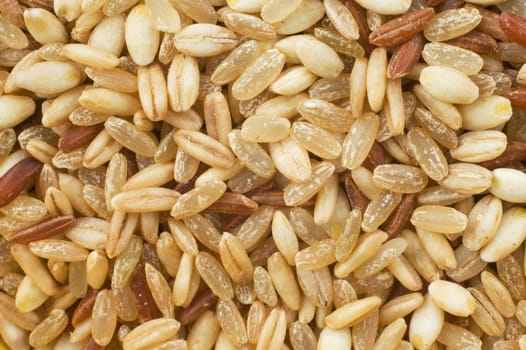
(142, 38)
(325, 208)
(318, 255)
(479, 146)
(231, 321)
(151, 333)
(508, 239)
(250, 26)
(44, 26)
(58, 250)
(166, 18)
(339, 43)
(140, 296)
(386, 7)
(439, 219)
(392, 335)
(379, 209)
(291, 160)
(325, 114)
(273, 331)
(358, 86)
(214, 275)
(400, 178)
(299, 193)
(467, 178)
(437, 129)
(349, 236)
(204, 148)
(34, 268)
(96, 269)
(387, 253)
(114, 79)
(102, 148)
(485, 315)
(184, 275)
(152, 199)
(329, 338)
(359, 140)
(259, 75)
(264, 288)
(452, 23)
(500, 108)
(235, 63)
(427, 153)
(483, 221)
(28, 296)
(263, 128)
(438, 54)
(49, 78)
(104, 318)
(377, 78)
(341, 18)
(469, 264)
(405, 57)
(331, 66)
(293, 81)
(182, 83)
(26, 320)
(452, 298)
(154, 175)
(400, 216)
(308, 13)
(42, 230)
(197, 199)
(13, 11)
(316, 285)
(206, 325)
(185, 167)
(284, 281)
(11, 35)
(284, 236)
(251, 154)
(90, 233)
(200, 11)
(455, 336)
(498, 294)
(438, 248)
(351, 313)
(15, 109)
(513, 26)
(362, 337)
(426, 324)
(255, 319)
(203, 40)
(153, 92)
(486, 84)
(126, 262)
(183, 237)
(302, 336)
(448, 85)
(366, 246)
(401, 29)
(235, 259)
(49, 329)
(316, 140)
(24, 208)
(399, 307)
(395, 109)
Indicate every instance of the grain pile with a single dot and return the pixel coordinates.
(262, 174)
